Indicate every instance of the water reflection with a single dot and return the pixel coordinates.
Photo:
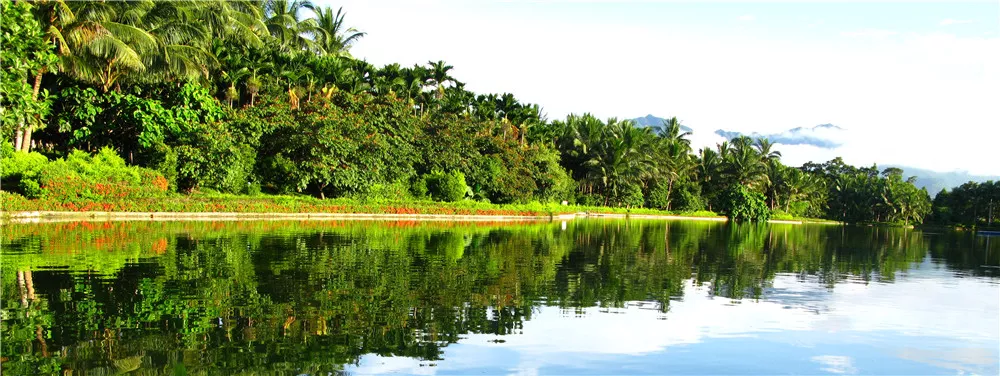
(593, 297)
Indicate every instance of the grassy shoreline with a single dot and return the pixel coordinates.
(288, 207)
(304, 205)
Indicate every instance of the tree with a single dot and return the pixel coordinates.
(26, 52)
(294, 34)
(439, 76)
(333, 37)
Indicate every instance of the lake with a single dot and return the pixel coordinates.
(577, 297)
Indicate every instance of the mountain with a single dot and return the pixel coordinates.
(935, 181)
(653, 121)
(822, 136)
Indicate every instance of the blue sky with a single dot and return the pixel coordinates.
(901, 78)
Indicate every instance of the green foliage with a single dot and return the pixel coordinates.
(553, 182)
(20, 172)
(24, 54)
(743, 204)
(659, 196)
(448, 187)
(273, 102)
(970, 205)
(101, 178)
(340, 148)
(687, 198)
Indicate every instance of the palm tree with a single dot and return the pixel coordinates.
(745, 164)
(439, 76)
(620, 158)
(770, 159)
(106, 49)
(282, 20)
(233, 21)
(333, 37)
(232, 78)
(671, 131)
(764, 147)
(709, 168)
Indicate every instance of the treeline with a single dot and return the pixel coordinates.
(247, 97)
(971, 204)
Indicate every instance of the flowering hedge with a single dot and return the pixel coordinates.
(80, 178)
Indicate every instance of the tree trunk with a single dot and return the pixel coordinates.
(670, 188)
(18, 137)
(26, 143)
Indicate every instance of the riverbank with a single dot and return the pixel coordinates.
(291, 207)
(102, 216)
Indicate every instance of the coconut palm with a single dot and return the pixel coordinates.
(745, 164)
(282, 19)
(671, 131)
(333, 37)
(107, 45)
(620, 158)
(237, 22)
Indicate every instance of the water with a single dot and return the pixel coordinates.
(587, 297)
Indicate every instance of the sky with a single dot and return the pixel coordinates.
(883, 325)
(912, 83)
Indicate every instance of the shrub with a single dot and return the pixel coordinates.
(448, 187)
(627, 195)
(382, 192)
(743, 204)
(553, 182)
(659, 196)
(781, 214)
(688, 200)
(19, 172)
(80, 176)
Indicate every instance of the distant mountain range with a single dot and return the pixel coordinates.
(653, 121)
(817, 136)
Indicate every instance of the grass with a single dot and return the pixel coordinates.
(214, 202)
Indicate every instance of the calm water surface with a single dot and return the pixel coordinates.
(584, 297)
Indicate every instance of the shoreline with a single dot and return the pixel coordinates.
(66, 216)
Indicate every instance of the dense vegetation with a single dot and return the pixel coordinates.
(249, 97)
(971, 204)
(272, 297)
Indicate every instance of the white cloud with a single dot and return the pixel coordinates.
(747, 17)
(810, 314)
(870, 33)
(950, 21)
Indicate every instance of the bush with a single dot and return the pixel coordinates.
(80, 176)
(686, 199)
(742, 204)
(627, 195)
(381, 192)
(781, 214)
(19, 172)
(449, 187)
(659, 196)
(553, 182)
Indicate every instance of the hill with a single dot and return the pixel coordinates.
(654, 121)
